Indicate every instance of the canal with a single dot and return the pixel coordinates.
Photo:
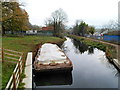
(91, 69)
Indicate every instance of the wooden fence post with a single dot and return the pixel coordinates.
(2, 55)
(19, 70)
(23, 61)
(14, 82)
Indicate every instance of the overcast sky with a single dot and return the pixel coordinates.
(93, 12)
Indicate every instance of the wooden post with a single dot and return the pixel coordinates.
(2, 55)
(23, 62)
(19, 69)
(14, 82)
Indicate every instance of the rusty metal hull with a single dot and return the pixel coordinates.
(63, 67)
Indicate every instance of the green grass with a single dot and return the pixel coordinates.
(26, 43)
(7, 69)
(23, 44)
(90, 42)
(110, 50)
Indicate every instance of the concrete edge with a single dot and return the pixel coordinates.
(28, 71)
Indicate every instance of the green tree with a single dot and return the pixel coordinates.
(7, 14)
(91, 30)
(14, 18)
(80, 28)
(83, 28)
(76, 27)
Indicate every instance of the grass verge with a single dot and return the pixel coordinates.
(110, 50)
(22, 44)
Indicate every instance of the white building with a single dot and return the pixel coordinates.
(31, 32)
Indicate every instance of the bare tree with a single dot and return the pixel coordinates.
(113, 25)
(48, 22)
(59, 18)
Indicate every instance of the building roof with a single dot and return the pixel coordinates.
(48, 28)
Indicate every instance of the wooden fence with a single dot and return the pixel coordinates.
(8, 55)
(12, 56)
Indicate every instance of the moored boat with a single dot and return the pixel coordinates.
(50, 58)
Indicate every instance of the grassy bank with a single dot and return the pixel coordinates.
(108, 49)
(22, 44)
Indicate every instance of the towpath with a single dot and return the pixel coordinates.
(28, 71)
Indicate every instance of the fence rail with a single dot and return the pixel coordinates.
(13, 57)
(7, 55)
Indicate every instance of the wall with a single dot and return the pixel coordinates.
(111, 38)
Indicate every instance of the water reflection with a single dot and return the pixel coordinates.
(90, 50)
(82, 47)
(108, 64)
(51, 79)
(91, 69)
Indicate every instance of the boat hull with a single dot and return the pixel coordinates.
(64, 67)
(51, 59)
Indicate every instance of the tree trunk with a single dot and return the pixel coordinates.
(3, 31)
(54, 29)
(12, 32)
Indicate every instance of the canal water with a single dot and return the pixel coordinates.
(91, 69)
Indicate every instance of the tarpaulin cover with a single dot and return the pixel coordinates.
(49, 53)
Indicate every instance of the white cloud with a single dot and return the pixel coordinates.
(93, 12)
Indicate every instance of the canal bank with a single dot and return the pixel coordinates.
(111, 50)
(28, 72)
(91, 69)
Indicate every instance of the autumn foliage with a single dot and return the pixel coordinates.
(14, 18)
